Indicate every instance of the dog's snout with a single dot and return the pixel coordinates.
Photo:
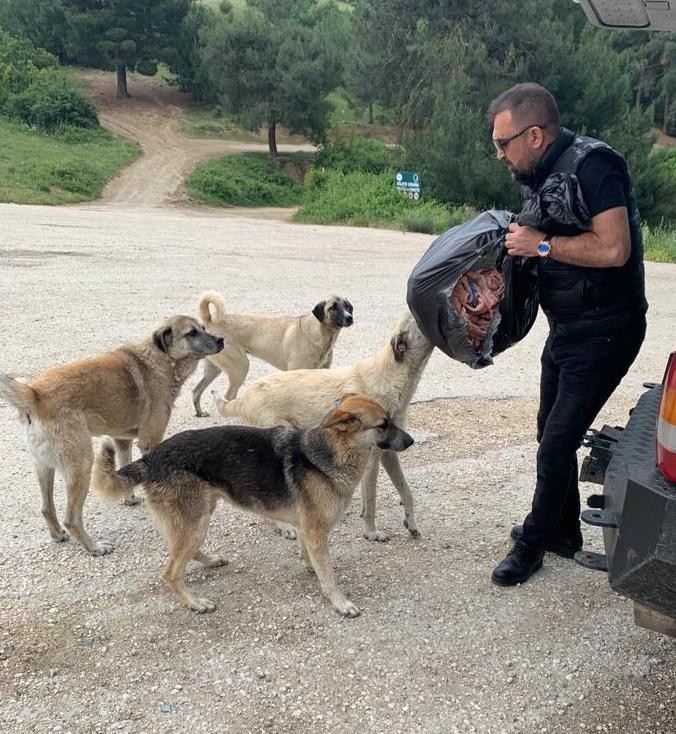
(348, 319)
(220, 343)
(407, 439)
(397, 440)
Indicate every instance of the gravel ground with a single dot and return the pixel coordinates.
(92, 645)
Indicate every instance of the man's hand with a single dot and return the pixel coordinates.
(523, 240)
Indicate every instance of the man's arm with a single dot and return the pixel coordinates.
(607, 243)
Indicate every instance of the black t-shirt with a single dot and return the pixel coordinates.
(600, 177)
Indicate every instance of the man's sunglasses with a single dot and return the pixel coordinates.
(502, 143)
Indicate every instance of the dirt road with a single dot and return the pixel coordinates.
(94, 645)
(151, 117)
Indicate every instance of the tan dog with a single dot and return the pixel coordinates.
(127, 394)
(300, 398)
(302, 477)
(285, 342)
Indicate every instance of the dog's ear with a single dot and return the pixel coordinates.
(163, 338)
(318, 311)
(399, 344)
(339, 419)
(348, 306)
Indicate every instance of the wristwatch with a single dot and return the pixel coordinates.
(545, 247)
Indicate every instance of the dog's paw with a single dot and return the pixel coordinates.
(132, 500)
(202, 605)
(201, 413)
(215, 561)
(346, 608)
(61, 537)
(102, 549)
(380, 536)
(286, 531)
(411, 527)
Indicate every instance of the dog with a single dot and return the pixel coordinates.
(127, 394)
(285, 342)
(304, 477)
(299, 398)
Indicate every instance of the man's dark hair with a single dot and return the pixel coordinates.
(529, 104)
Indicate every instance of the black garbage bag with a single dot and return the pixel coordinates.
(477, 245)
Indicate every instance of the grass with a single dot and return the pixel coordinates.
(72, 166)
(346, 121)
(370, 200)
(208, 121)
(660, 243)
(243, 180)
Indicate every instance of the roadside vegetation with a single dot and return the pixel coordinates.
(243, 180)
(53, 150)
(660, 243)
(68, 166)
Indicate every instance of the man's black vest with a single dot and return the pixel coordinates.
(581, 300)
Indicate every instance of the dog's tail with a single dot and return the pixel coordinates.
(113, 484)
(21, 396)
(211, 298)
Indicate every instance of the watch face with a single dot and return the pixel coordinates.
(544, 248)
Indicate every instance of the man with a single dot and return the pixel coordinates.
(592, 290)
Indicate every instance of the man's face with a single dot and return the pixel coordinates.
(519, 146)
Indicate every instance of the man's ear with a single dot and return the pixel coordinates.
(399, 344)
(318, 311)
(163, 338)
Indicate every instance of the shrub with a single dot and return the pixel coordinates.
(243, 180)
(366, 199)
(357, 154)
(659, 243)
(657, 188)
(50, 101)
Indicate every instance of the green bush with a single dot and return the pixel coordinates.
(357, 154)
(659, 243)
(34, 90)
(19, 60)
(50, 101)
(657, 188)
(366, 199)
(243, 180)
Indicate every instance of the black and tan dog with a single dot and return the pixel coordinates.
(127, 394)
(285, 342)
(303, 477)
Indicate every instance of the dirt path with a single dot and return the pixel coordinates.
(151, 116)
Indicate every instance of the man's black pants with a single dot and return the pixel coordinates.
(578, 377)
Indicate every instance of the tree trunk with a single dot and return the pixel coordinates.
(371, 113)
(639, 90)
(272, 139)
(667, 111)
(122, 80)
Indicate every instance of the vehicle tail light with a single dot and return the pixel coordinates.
(666, 423)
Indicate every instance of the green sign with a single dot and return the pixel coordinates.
(409, 183)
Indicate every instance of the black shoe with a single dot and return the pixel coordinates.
(564, 547)
(519, 565)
